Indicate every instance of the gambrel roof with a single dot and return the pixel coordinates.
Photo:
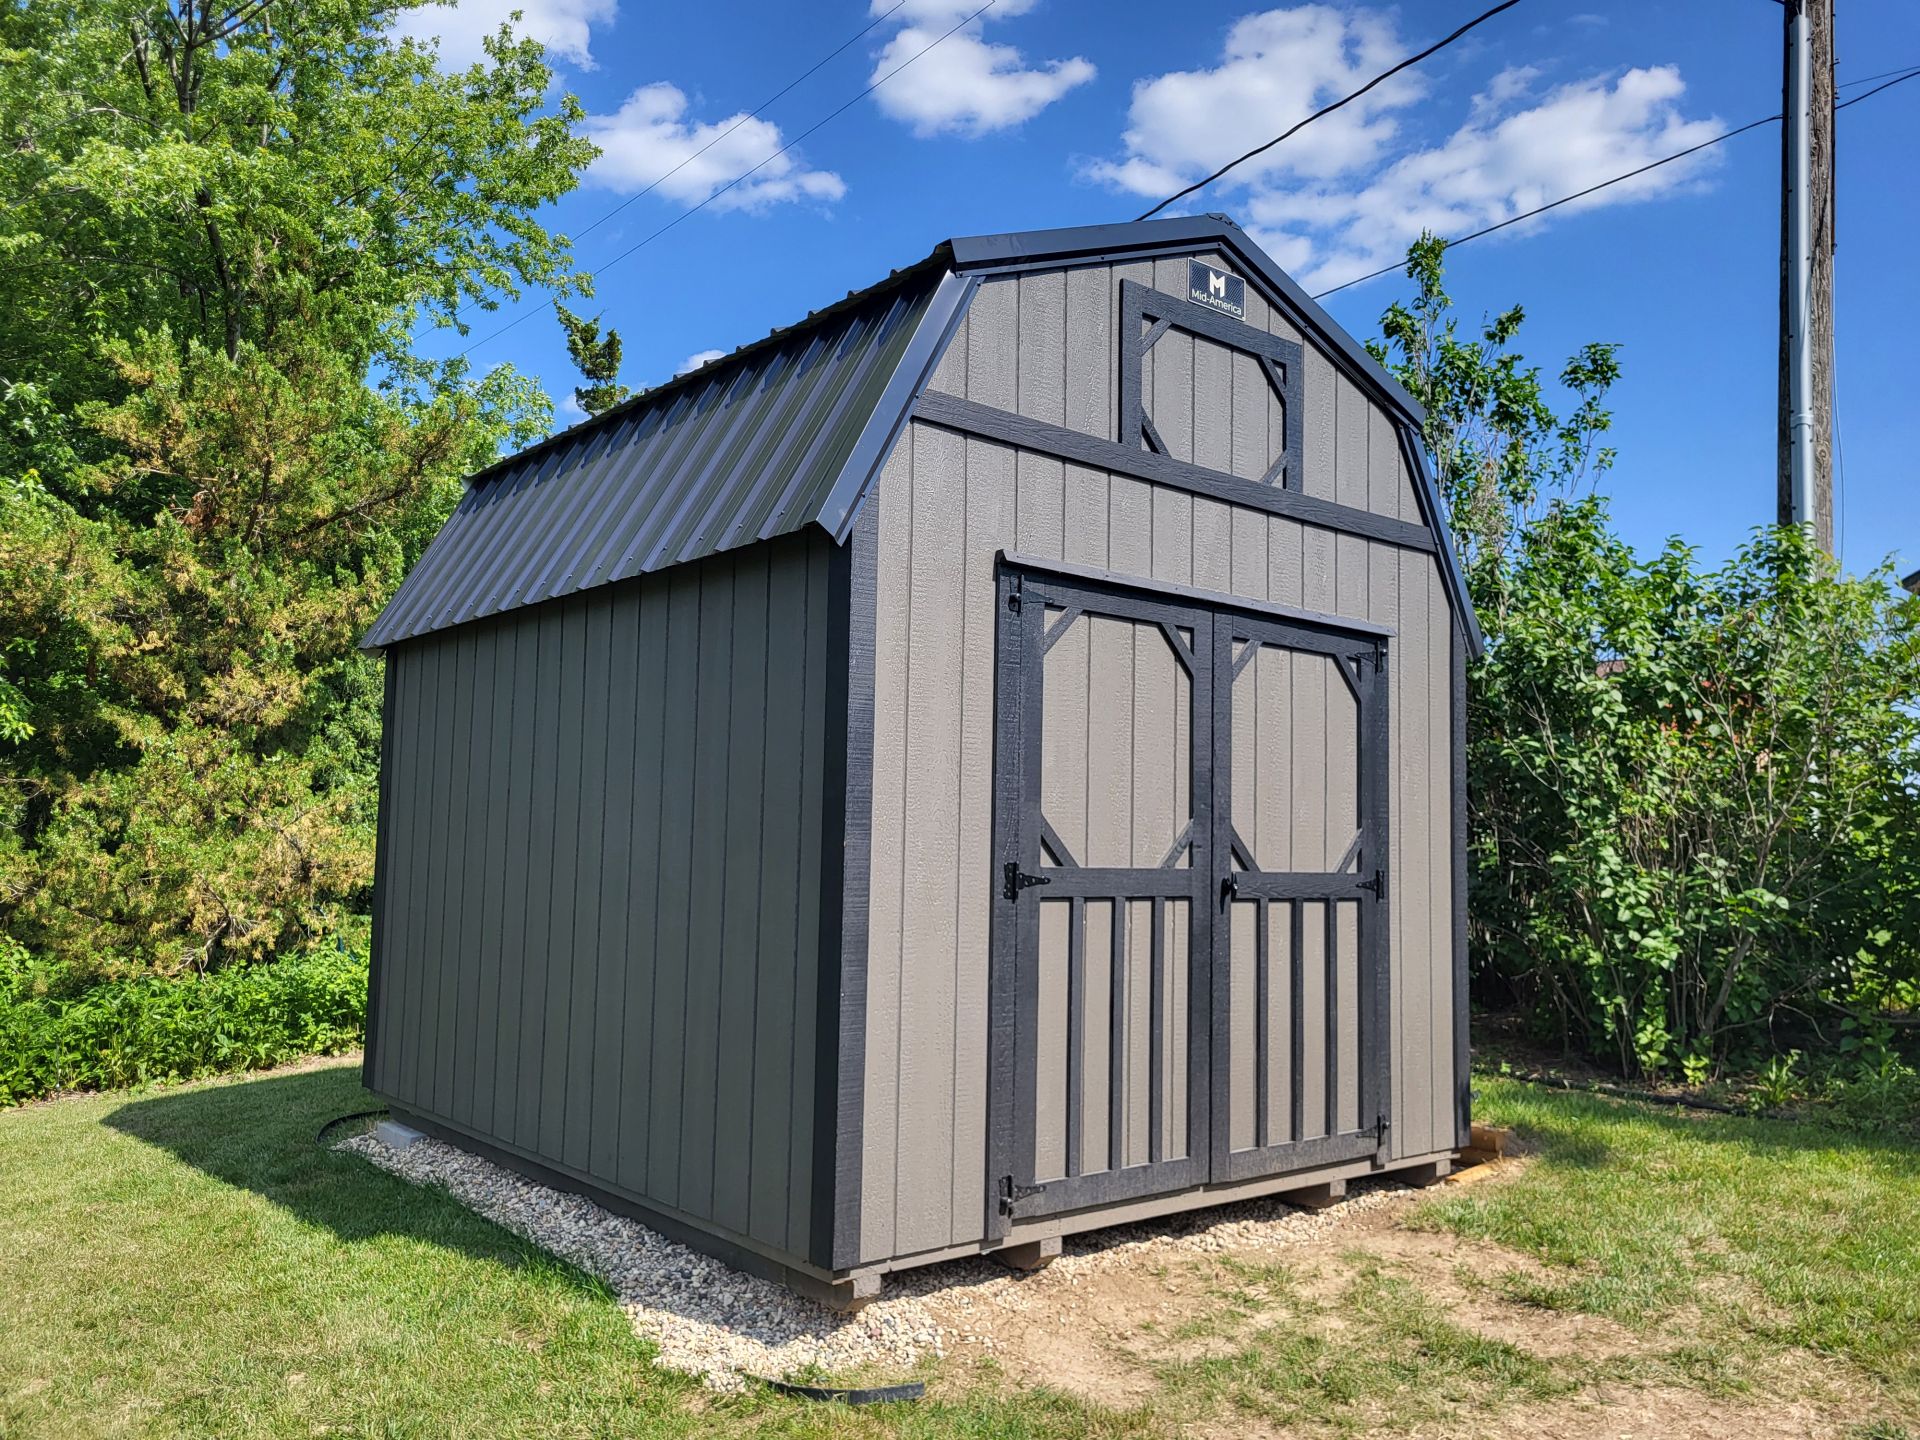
(790, 431)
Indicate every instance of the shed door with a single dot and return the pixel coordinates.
(1147, 1035)
(1300, 946)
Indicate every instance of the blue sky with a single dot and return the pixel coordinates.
(1061, 112)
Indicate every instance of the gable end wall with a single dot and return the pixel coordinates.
(1043, 345)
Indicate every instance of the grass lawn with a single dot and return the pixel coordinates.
(189, 1262)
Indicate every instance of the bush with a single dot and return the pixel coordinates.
(1695, 826)
(1694, 793)
(130, 1031)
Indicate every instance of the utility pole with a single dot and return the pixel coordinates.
(1806, 272)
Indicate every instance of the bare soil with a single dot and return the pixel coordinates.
(1099, 1321)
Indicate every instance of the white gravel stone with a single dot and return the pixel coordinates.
(713, 1321)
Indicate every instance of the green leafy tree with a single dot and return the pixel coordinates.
(597, 357)
(1694, 821)
(222, 229)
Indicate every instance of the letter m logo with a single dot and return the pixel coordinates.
(1216, 285)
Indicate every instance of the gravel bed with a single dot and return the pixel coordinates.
(713, 1321)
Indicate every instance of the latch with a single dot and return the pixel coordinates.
(1381, 1125)
(1012, 1194)
(1378, 885)
(1016, 880)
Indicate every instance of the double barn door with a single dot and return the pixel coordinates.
(1189, 967)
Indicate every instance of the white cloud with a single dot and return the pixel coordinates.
(563, 26)
(697, 359)
(1275, 69)
(1344, 198)
(650, 141)
(962, 84)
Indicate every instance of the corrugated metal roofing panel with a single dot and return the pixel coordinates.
(748, 448)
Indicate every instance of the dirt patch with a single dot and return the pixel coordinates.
(1615, 1412)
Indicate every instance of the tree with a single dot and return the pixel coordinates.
(220, 444)
(597, 357)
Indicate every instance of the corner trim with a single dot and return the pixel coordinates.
(1462, 1047)
(847, 847)
(382, 850)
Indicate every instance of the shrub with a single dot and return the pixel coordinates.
(1694, 793)
(126, 1032)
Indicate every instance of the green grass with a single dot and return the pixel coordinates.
(188, 1262)
(1750, 1232)
(1378, 1355)
(191, 1263)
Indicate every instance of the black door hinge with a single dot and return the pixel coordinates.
(1014, 881)
(1012, 1194)
(1376, 657)
(1378, 885)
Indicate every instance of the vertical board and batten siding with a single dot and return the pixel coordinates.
(600, 905)
(1044, 345)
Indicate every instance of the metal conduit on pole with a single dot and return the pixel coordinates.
(1806, 319)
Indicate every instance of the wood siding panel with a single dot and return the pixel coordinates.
(602, 808)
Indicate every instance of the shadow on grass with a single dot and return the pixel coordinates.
(260, 1135)
(1585, 1131)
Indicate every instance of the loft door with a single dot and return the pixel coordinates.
(1189, 946)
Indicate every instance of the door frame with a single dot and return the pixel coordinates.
(1016, 774)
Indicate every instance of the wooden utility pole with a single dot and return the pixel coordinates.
(1806, 271)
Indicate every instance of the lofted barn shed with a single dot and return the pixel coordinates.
(982, 763)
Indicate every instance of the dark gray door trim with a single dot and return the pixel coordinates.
(1212, 599)
(988, 422)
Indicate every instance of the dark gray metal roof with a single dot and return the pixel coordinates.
(1912, 583)
(789, 432)
(747, 447)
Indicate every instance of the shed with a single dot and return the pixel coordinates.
(982, 763)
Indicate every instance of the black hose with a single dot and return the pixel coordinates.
(880, 1395)
(1623, 1092)
(321, 1136)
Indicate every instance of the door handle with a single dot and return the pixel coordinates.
(1229, 890)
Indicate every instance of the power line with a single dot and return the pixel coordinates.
(752, 114)
(743, 175)
(1849, 84)
(1384, 75)
(1913, 74)
(1563, 200)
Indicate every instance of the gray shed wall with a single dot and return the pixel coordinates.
(598, 918)
(1043, 345)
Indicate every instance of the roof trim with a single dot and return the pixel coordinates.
(895, 407)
